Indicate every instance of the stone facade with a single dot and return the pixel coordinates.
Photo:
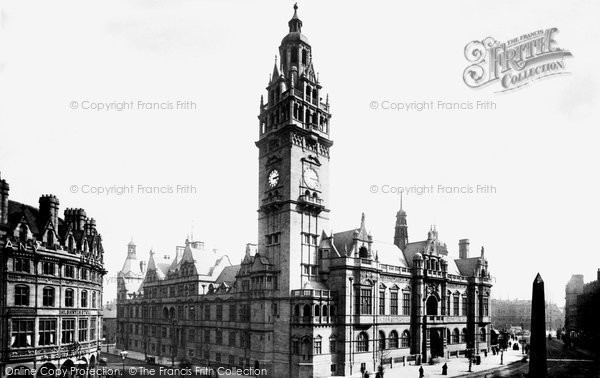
(304, 301)
(51, 289)
(581, 310)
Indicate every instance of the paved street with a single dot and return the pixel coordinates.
(562, 363)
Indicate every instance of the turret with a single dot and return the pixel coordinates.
(4, 189)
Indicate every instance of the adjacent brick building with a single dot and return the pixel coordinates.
(51, 272)
(304, 301)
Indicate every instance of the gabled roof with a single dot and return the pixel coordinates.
(228, 274)
(467, 267)
(389, 253)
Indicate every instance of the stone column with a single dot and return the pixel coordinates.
(537, 360)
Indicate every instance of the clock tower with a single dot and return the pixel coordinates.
(294, 143)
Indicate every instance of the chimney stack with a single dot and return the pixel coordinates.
(463, 248)
(4, 188)
(49, 209)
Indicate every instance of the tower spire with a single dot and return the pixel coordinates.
(295, 23)
(401, 229)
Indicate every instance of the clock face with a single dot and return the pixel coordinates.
(311, 178)
(273, 178)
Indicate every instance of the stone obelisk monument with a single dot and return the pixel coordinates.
(537, 352)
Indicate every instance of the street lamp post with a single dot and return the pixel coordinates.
(123, 355)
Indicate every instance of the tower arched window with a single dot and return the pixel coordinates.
(405, 339)
(304, 56)
(306, 311)
(363, 342)
(393, 340)
(381, 341)
(455, 336)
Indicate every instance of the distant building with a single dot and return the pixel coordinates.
(582, 309)
(109, 322)
(51, 273)
(507, 314)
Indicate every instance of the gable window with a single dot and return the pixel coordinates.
(21, 295)
(394, 303)
(456, 302)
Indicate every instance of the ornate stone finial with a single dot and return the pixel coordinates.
(362, 220)
(482, 252)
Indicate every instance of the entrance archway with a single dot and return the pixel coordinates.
(436, 343)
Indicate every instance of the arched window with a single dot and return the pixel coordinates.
(363, 342)
(432, 305)
(48, 296)
(50, 238)
(482, 334)
(94, 299)
(297, 310)
(304, 56)
(332, 310)
(448, 336)
(69, 298)
(405, 339)
(21, 295)
(306, 311)
(393, 340)
(363, 252)
(455, 336)
(317, 310)
(306, 348)
(381, 340)
(172, 313)
(84, 298)
(165, 313)
(324, 312)
(463, 335)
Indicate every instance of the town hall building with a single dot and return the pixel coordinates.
(305, 301)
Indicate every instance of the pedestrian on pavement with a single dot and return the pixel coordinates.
(421, 374)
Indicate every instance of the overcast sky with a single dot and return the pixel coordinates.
(538, 148)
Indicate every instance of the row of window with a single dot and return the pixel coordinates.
(24, 265)
(190, 335)
(22, 332)
(364, 302)
(235, 312)
(316, 310)
(22, 297)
